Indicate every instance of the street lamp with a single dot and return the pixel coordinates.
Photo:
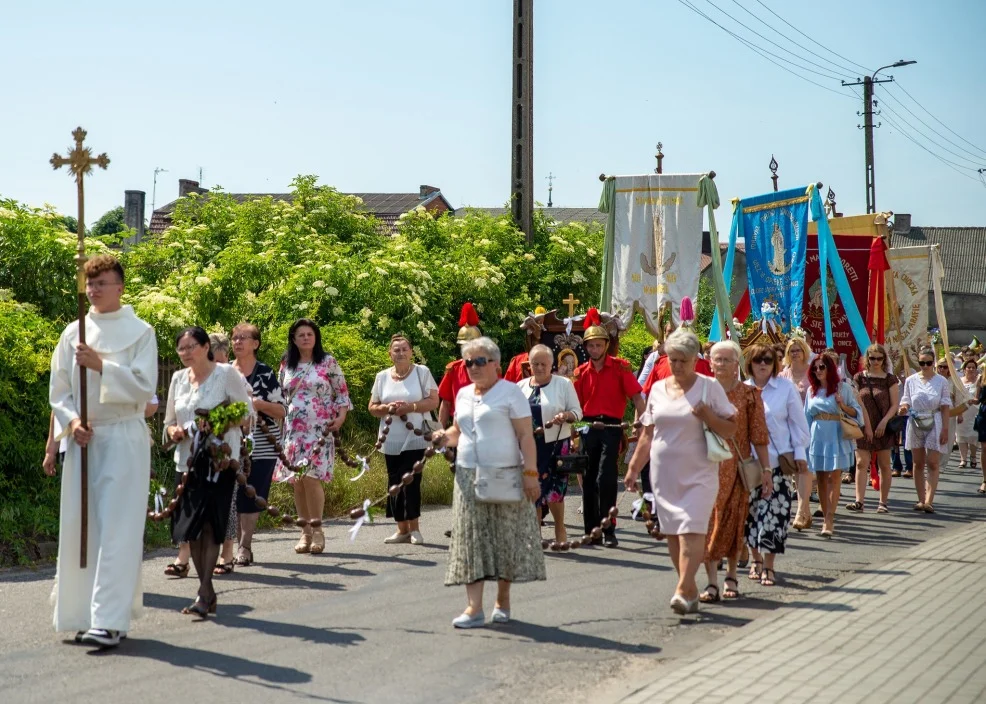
(867, 84)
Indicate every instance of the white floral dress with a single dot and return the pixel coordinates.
(316, 394)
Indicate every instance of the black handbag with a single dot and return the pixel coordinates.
(896, 425)
(572, 463)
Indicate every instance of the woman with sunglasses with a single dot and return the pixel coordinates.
(953, 412)
(926, 400)
(965, 431)
(490, 541)
(770, 506)
(830, 453)
(879, 393)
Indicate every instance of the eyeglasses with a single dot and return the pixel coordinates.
(876, 359)
(187, 349)
(818, 368)
(943, 366)
(478, 362)
(99, 285)
(765, 360)
(926, 364)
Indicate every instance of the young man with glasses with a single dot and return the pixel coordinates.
(120, 361)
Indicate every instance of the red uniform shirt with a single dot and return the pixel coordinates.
(519, 368)
(605, 392)
(454, 379)
(662, 370)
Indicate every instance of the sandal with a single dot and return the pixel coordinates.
(223, 568)
(895, 473)
(729, 592)
(767, 580)
(982, 488)
(242, 561)
(177, 569)
(882, 508)
(708, 597)
(919, 506)
(847, 478)
(928, 508)
(200, 608)
(756, 572)
(907, 474)
(856, 506)
(963, 464)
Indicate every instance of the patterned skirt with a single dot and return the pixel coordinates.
(768, 520)
(491, 541)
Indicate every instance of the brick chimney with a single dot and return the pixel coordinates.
(425, 191)
(902, 223)
(187, 186)
(133, 212)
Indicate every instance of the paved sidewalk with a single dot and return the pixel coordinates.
(911, 630)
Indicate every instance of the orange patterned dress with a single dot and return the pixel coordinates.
(725, 536)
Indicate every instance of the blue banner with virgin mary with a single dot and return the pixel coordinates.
(775, 227)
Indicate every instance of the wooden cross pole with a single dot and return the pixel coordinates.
(571, 302)
(80, 161)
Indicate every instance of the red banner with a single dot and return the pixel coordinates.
(855, 254)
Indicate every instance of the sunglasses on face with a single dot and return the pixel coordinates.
(819, 368)
(478, 362)
(765, 360)
(926, 364)
(876, 359)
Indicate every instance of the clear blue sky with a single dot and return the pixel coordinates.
(383, 95)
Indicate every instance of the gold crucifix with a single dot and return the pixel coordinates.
(80, 162)
(571, 302)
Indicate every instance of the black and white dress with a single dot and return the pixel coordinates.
(263, 382)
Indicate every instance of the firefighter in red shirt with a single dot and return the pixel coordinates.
(455, 372)
(603, 384)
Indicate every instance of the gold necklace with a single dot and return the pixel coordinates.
(402, 377)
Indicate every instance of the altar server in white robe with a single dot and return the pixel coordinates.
(121, 357)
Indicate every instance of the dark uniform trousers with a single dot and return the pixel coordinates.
(599, 484)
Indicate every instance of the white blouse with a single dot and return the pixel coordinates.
(558, 396)
(223, 384)
(786, 422)
(487, 434)
(417, 386)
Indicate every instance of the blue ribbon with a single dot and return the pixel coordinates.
(734, 233)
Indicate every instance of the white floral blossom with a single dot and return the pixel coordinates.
(332, 291)
(338, 312)
(384, 322)
(480, 282)
(362, 275)
(578, 277)
(203, 280)
(318, 284)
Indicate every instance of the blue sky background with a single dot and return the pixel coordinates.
(383, 95)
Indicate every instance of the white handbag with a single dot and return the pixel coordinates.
(716, 449)
(496, 485)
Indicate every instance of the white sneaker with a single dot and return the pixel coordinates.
(416, 538)
(101, 637)
(501, 615)
(398, 537)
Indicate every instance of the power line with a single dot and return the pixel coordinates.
(930, 139)
(849, 72)
(762, 52)
(957, 168)
(980, 149)
(812, 40)
(828, 71)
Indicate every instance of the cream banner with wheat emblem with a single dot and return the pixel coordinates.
(656, 243)
(908, 325)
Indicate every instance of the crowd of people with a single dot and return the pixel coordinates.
(732, 446)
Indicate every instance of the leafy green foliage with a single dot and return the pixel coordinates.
(110, 223)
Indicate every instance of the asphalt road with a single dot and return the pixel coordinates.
(367, 622)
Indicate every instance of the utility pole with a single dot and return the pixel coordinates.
(157, 170)
(867, 126)
(522, 142)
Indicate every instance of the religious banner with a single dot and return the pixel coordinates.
(908, 327)
(854, 253)
(653, 251)
(775, 227)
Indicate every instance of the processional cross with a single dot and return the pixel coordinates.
(571, 302)
(80, 161)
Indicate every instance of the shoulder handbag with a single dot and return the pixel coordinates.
(749, 469)
(496, 485)
(850, 427)
(429, 424)
(716, 449)
(575, 462)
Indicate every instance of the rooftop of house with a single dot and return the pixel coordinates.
(962, 251)
(386, 207)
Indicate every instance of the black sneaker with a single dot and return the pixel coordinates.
(610, 541)
(101, 637)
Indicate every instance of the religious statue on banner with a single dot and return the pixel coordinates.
(778, 265)
(567, 362)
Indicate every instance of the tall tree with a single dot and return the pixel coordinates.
(110, 223)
